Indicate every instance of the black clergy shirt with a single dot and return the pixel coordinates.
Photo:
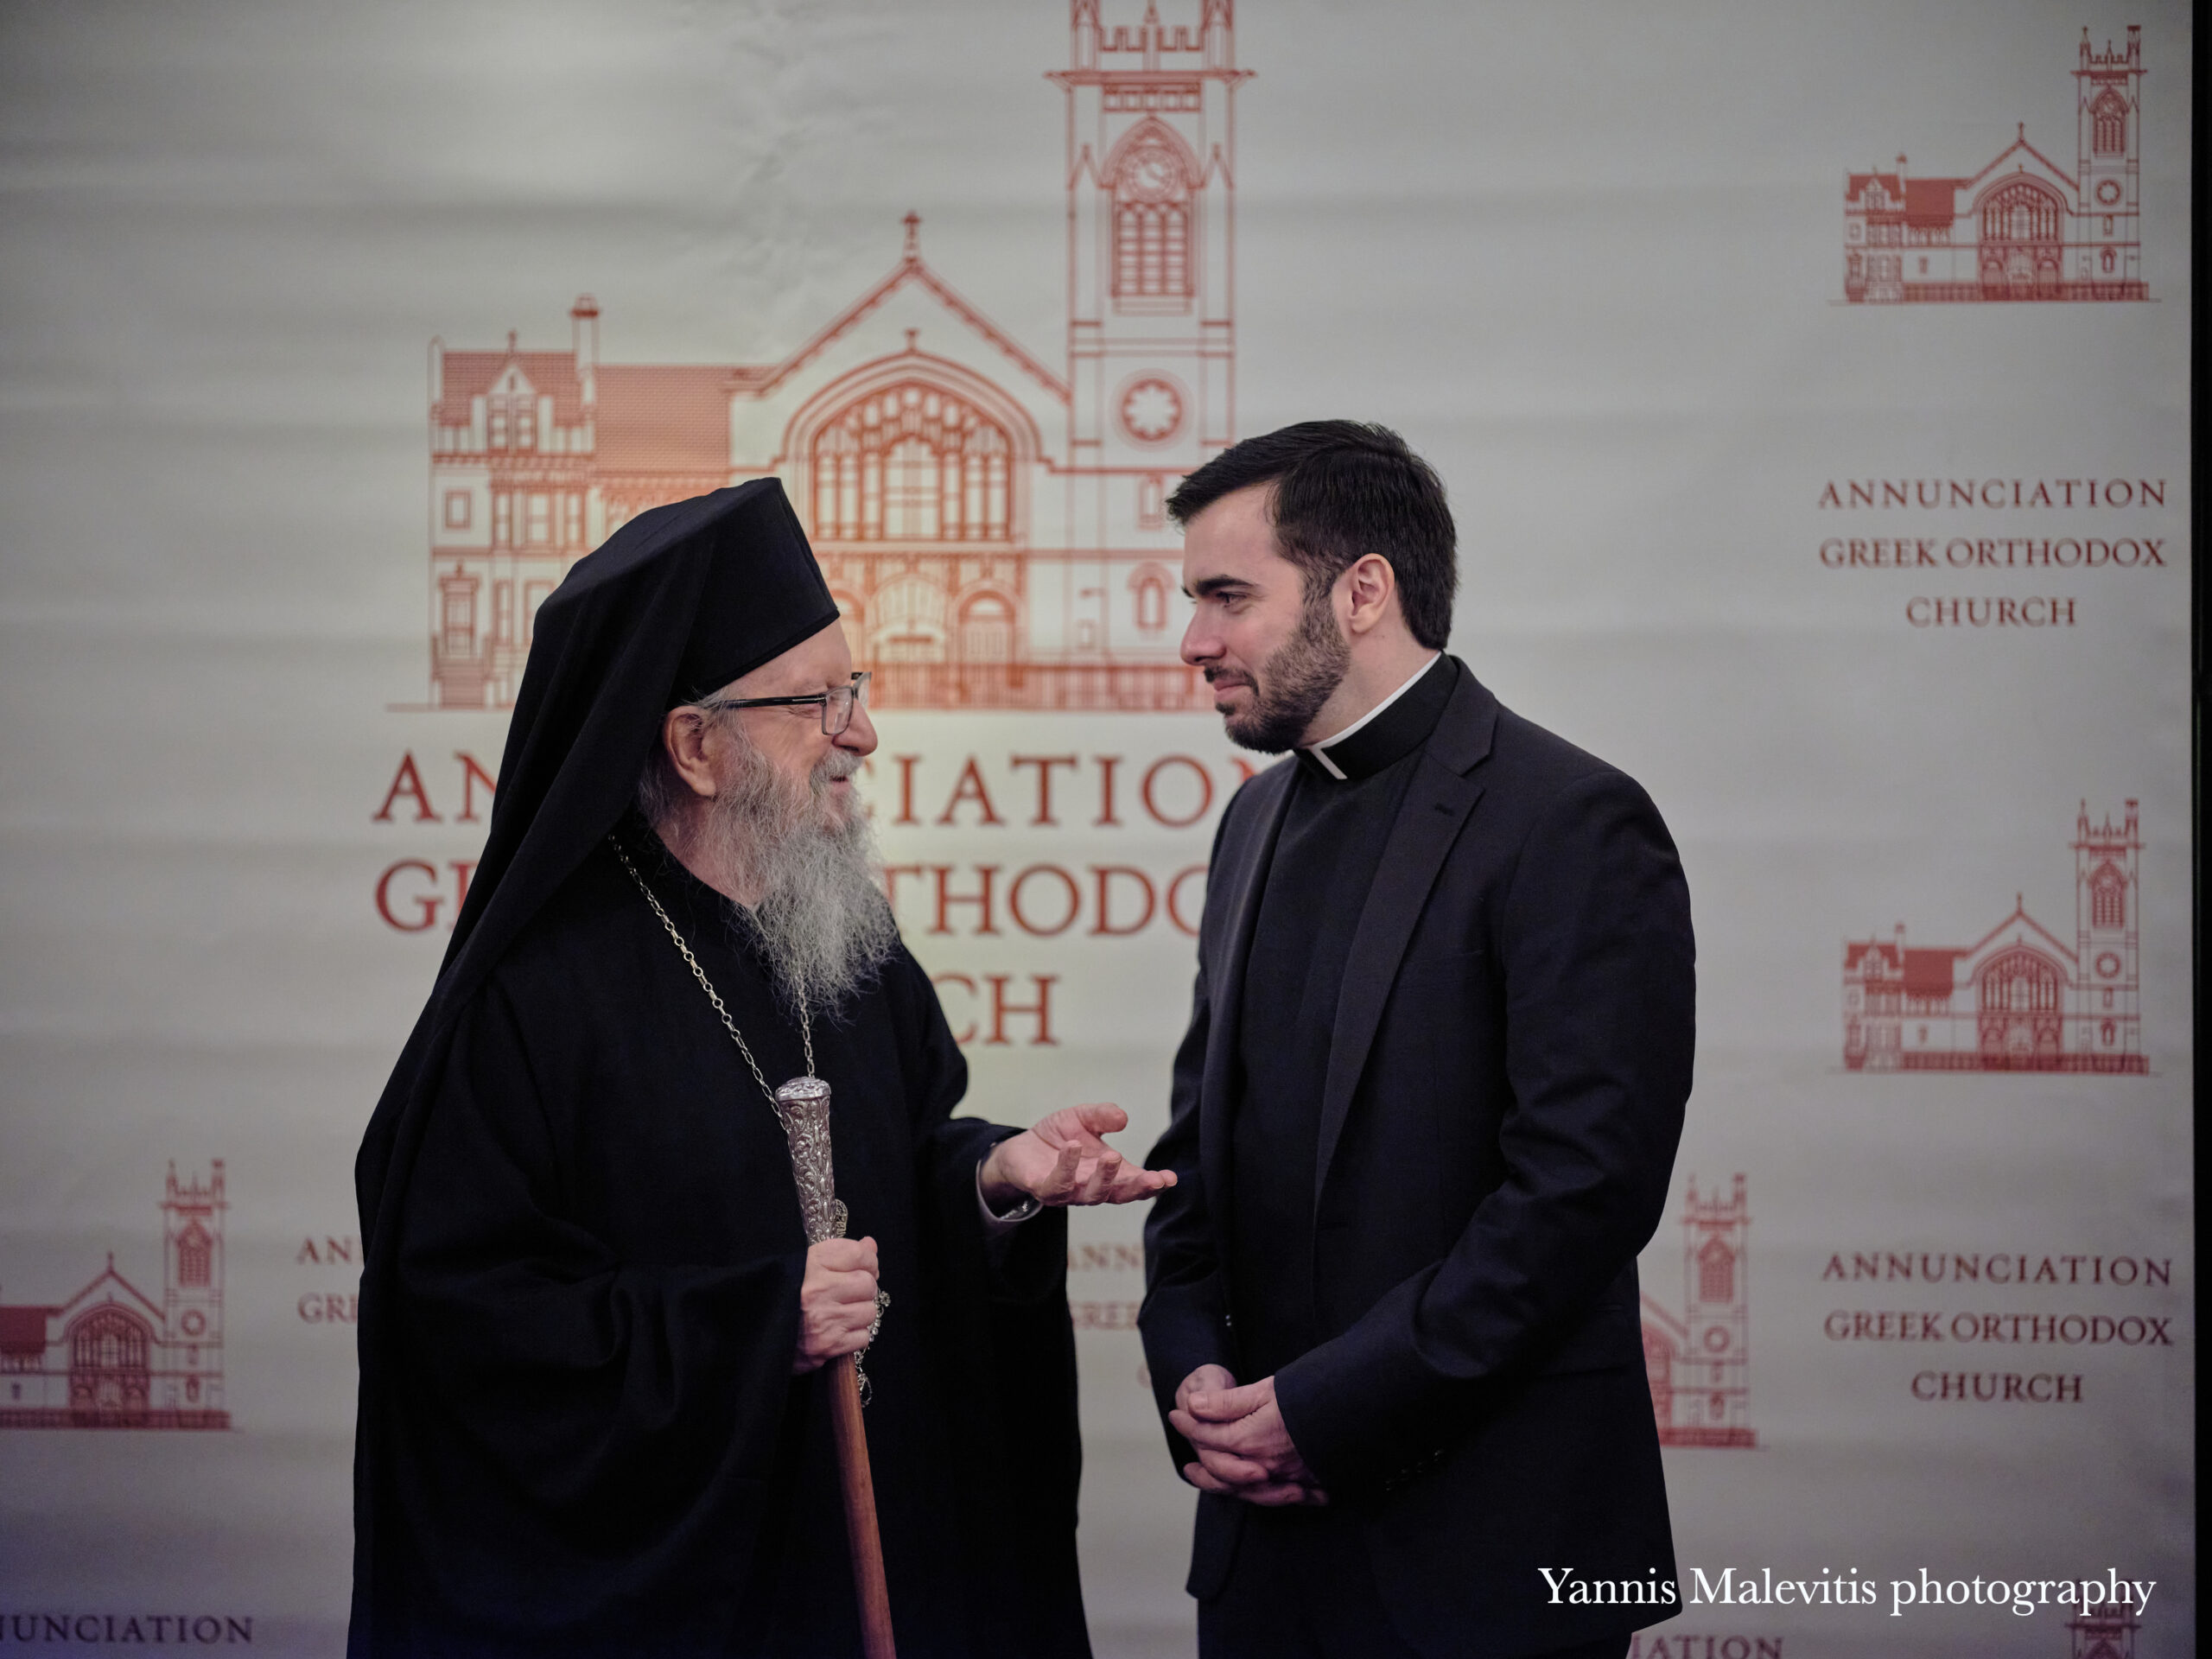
(1334, 829)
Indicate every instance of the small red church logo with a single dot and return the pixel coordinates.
(987, 521)
(1699, 1362)
(2020, 998)
(2104, 1633)
(2024, 228)
(111, 1356)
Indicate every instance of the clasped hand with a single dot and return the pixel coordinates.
(1064, 1160)
(1244, 1451)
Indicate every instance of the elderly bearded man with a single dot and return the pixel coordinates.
(1426, 1112)
(592, 1330)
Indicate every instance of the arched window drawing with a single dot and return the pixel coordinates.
(2020, 981)
(986, 629)
(195, 1253)
(1152, 221)
(2019, 212)
(1716, 1273)
(108, 1340)
(2108, 124)
(912, 462)
(909, 620)
(2107, 898)
(1151, 586)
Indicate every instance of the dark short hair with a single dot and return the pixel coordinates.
(1344, 489)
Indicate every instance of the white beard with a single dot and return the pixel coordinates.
(822, 925)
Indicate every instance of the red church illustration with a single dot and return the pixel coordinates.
(1699, 1363)
(2024, 228)
(111, 1356)
(993, 526)
(2105, 1633)
(2020, 998)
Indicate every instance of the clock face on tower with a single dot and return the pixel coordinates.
(2108, 191)
(1151, 408)
(1152, 173)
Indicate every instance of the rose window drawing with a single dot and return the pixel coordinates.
(1152, 411)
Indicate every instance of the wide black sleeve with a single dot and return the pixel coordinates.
(1185, 1317)
(1599, 964)
(612, 1420)
(1003, 1361)
(1029, 1262)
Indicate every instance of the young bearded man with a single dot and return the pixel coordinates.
(1425, 1113)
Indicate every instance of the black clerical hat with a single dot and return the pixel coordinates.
(762, 592)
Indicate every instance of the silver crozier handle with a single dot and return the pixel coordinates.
(803, 1104)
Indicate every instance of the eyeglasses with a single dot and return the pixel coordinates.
(837, 706)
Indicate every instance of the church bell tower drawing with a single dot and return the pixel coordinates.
(192, 1289)
(2107, 907)
(2109, 104)
(1151, 237)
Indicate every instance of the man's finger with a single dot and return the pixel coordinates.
(1101, 1117)
(1231, 1434)
(1133, 1182)
(1100, 1180)
(1194, 1431)
(1283, 1495)
(1206, 1376)
(1229, 1437)
(1226, 1405)
(1238, 1471)
(1061, 1181)
(1196, 1474)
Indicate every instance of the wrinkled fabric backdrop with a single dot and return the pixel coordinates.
(1810, 385)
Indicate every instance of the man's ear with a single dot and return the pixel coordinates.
(1371, 586)
(683, 736)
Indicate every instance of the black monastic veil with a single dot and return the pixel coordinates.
(578, 1433)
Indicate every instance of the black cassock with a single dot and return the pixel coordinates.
(583, 1432)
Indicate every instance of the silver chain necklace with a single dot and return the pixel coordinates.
(805, 1024)
(802, 1106)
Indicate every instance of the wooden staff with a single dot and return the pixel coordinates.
(860, 1535)
(803, 1105)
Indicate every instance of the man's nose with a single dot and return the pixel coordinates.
(1201, 642)
(859, 736)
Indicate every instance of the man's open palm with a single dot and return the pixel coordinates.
(1065, 1160)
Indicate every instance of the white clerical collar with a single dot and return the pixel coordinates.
(1320, 751)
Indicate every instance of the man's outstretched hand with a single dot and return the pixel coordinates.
(1065, 1161)
(1243, 1449)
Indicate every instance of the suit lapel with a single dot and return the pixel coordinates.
(1437, 804)
(1247, 874)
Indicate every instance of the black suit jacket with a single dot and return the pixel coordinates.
(1506, 1079)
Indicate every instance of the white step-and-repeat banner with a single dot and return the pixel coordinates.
(1810, 382)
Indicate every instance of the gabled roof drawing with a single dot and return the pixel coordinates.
(912, 268)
